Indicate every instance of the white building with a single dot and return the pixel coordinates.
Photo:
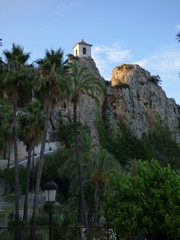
(82, 49)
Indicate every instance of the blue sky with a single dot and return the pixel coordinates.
(128, 31)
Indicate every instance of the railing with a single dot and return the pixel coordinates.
(50, 147)
(63, 233)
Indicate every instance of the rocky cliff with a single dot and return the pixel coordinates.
(136, 98)
(133, 96)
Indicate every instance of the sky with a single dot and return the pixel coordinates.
(130, 31)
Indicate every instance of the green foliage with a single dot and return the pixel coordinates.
(66, 133)
(121, 142)
(51, 166)
(6, 235)
(146, 203)
(121, 85)
(155, 79)
(43, 220)
(178, 36)
(6, 120)
(164, 148)
(11, 222)
(125, 66)
(101, 128)
(42, 235)
(179, 125)
(22, 176)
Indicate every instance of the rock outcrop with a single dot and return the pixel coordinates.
(134, 96)
(87, 108)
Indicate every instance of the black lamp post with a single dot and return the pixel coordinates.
(50, 192)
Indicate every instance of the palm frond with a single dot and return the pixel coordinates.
(178, 36)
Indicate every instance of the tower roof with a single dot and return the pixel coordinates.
(83, 43)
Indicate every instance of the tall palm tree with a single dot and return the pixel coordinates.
(6, 135)
(81, 82)
(16, 71)
(30, 129)
(50, 87)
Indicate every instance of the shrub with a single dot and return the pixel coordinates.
(155, 79)
(145, 203)
(42, 234)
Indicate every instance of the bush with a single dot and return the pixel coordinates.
(155, 79)
(22, 177)
(66, 133)
(42, 234)
(51, 166)
(43, 220)
(124, 145)
(6, 236)
(145, 203)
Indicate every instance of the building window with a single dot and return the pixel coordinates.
(76, 52)
(84, 50)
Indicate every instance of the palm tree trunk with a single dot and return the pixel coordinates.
(38, 179)
(96, 205)
(79, 208)
(32, 180)
(7, 173)
(16, 234)
(28, 167)
(78, 163)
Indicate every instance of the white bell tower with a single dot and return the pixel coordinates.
(82, 49)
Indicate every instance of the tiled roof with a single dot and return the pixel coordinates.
(83, 43)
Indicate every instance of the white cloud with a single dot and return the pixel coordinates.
(112, 53)
(115, 55)
(165, 63)
(143, 62)
(107, 57)
(178, 26)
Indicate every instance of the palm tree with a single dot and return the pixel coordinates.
(6, 135)
(81, 82)
(16, 71)
(50, 87)
(130, 167)
(103, 163)
(96, 166)
(178, 36)
(68, 168)
(30, 129)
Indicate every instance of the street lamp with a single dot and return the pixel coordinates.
(50, 192)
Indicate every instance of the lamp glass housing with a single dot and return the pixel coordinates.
(50, 195)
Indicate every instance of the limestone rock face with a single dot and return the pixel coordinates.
(138, 100)
(133, 96)
(91, 65)
(87, 108)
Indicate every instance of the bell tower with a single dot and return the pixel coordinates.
(82, 49)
